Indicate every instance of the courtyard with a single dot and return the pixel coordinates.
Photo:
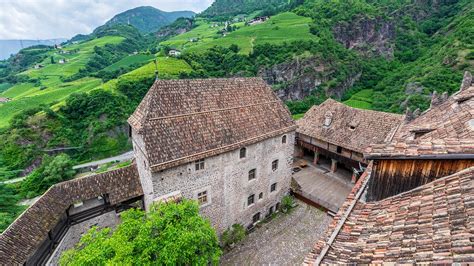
(284, 240)
(318, 184)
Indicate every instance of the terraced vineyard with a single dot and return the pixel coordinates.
(284, 27)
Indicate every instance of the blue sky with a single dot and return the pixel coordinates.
(47, 19)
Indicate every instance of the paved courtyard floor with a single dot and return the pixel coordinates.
(319, 185)
(285, 240)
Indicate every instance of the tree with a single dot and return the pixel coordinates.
(169, 234)
(51, 171)
(52, 60)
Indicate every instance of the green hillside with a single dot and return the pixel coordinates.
(148, 19)
(284, 27)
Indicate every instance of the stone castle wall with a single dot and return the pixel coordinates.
(225, 178)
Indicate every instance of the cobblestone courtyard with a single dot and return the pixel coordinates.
(283, 241)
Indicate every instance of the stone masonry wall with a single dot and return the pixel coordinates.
(225, 178)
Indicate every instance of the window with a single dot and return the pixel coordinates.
(202, 197)
(199, 164)
(283, 139)
(243, 153)
(339, 149)
(250, 199)
(273, 187)
(270, 211)
(275, 165)
(260, 196)
(256, 217)
(252, 174)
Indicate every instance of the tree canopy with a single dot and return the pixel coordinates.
(169, 234)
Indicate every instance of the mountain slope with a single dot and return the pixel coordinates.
(229, 8)
(148, 19)
(9, 47)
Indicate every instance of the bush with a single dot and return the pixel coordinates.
(170, 234)
(232, 235)
(287, 202)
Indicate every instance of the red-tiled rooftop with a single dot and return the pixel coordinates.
(432, 223)
(186, 120)
(446, 129)
(348, 127)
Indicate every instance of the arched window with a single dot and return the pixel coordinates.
(243, 153)
(283, 139)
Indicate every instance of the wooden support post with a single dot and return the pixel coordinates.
(333, 165)
(316, 157)
(354, 177)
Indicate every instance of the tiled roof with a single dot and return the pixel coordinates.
(23, 237)
(445, 129)
(432, 223)
(185, 120)
(348, 127)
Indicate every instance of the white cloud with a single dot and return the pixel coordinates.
(47, 19)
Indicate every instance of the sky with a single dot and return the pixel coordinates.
(48, 19)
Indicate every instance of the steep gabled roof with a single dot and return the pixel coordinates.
(431, 223)
(347, 127)
(24, 236)
(186, 120)
(446, 129)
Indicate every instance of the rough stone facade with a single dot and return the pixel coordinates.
(225, 177)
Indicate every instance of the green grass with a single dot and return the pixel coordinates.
(4, 86)
(128, 61)
(52, 88)
(297, 116)
(167, 66)
(37, 97)
(361, 99)
(284, 27)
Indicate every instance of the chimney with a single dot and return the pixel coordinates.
(466, 81)
(437, 99)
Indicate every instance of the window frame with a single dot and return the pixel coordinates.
(253, 200)
(243, 153)
(199, 164)
(257, 215)
(275, 165)
(204, 195)
(273, 187)
(284, 139)
(253, 174)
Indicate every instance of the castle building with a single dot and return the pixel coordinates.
(228, 143)
(414, 204)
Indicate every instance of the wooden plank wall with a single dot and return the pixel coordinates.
(391, 177)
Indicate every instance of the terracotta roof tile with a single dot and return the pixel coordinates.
(186, 120)
(447, 128)
(23, 237)
(349, 127)
(431, 223)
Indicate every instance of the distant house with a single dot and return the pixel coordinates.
(4, 99)
(62, 61)
(258, 20)
(38, 66)
(174, 52)
(193, 39)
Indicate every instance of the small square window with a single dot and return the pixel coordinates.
(199, 164)
(243, 153)
(252, 174)
(256, 217)
(260, 196)
(273, 187)
(339, 149)
(275, 165)
(202, 197)
(250, 199)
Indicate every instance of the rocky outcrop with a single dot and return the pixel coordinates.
(367, 36)
(296, 79)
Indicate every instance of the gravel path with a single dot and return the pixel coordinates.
(285, 240)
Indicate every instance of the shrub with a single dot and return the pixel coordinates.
(232, 235)
(287, 202)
